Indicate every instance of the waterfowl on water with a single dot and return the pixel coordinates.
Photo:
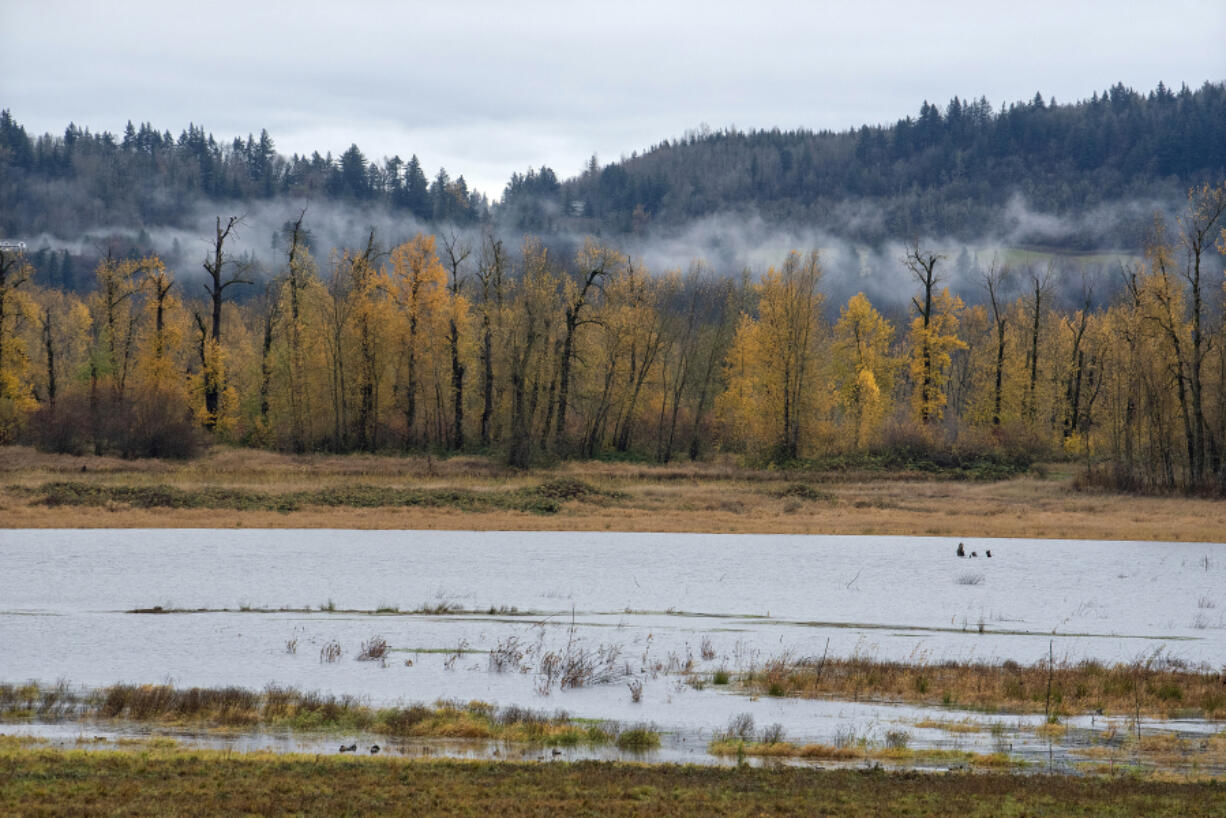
(374, 749)
(352, 748)
(961, 550)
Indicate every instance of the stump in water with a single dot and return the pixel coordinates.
(961, 550)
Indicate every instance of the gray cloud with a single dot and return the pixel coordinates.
(486, 88)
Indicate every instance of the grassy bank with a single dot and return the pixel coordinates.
(739, 748)
(545, 498)
(1156, 687)
(257, 489)
(289, 708)
(168, 781)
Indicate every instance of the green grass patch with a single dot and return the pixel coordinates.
(544, 499)
(173, 781)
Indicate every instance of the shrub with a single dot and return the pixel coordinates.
(773, 734)
(897, 739)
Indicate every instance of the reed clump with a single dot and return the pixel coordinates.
(1155, 686)
(373, 650)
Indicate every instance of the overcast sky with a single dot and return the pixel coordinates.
(487, 88)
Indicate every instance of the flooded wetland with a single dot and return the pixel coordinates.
(833, 650)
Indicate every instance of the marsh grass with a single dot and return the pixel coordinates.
(330, 652)
(443, 608)
(638, 738)
(1161, 751)
(894, 749)
(541, 500)
(373, 650)
(636, 690)
(32, 701)
(285, 707)
(1156, 686)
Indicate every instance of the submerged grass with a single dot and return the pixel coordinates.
(289, 708)
(169, 780)
(859, 752)
(1164, 751)
(1156, 686)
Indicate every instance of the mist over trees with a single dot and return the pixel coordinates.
(947, 173)
(531, 356)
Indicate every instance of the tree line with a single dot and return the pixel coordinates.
(947, 171)
(67, 185)
(461, 343)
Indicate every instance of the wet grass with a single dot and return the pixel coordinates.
(280, 707)
(860, 752)
(1162, 752)
(173, 781)
(1154, 687)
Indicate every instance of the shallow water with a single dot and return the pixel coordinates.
(649, 601)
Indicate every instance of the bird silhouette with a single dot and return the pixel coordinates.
(374, 749)
(961, 550)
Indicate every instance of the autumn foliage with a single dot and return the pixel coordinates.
(527, 356)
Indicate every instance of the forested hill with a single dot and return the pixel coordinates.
(948, 172)
(143, 178)
(945, 173)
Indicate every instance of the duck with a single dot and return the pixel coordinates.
(961, 550)
(374, 748)
(352, 748)
(988, 553)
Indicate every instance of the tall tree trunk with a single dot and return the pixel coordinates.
(457, 387)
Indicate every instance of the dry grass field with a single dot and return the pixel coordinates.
(476, 494)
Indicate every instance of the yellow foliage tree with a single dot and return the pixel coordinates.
(862, 368)
(770, 401)
(16, 396)
(934, 336)
(419, 287)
